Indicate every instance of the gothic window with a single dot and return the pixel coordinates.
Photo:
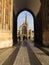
(24, 30)
(19, 33)
(29, 32)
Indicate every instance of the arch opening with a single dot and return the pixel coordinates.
(37, 28)
(25, 26)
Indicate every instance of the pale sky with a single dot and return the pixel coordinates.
(21, 20)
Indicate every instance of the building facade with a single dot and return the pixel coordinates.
(6, 12)
(24, 32)
(6, 19)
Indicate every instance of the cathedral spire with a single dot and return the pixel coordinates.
(26, 18)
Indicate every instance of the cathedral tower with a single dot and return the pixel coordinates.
(26, 18)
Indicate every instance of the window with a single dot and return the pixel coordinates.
(24, 30)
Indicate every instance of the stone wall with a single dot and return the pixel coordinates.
(45, 22)
(6, 23)
(5, 39)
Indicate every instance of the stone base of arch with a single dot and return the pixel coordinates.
(5, 39)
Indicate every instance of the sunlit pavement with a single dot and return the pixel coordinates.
(24, 54)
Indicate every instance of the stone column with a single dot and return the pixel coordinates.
(4, 5)
(11, 17)
(1, 14)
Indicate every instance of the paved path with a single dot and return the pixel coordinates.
(22, 58)
(25, 54)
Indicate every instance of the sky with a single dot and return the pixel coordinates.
(21, 20)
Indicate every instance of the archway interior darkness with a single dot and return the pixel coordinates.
(37, 27)
(15, 17)
(25, 26)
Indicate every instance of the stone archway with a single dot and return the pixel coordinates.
(37, 23)
(25, 24)
(15, 23)
(38, 34)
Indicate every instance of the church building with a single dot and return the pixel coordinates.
(24, 32)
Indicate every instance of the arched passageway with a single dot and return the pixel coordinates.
(25, 25)
(37, 29)
(39, 8)
(36, 12)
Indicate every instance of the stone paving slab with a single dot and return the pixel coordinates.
(5, 55)
(33, 59)
(22, 57)
(43, 58)
(47, 49)
(10, 60)
(2, 50)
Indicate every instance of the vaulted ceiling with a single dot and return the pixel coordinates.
(33, 5)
